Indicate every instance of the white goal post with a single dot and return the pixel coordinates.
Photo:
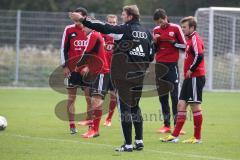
(220, 29)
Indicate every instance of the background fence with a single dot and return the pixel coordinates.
(30, 45)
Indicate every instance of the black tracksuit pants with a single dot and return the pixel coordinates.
(130, 113)
(172, 76)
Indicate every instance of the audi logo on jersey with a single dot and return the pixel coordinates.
(138, 34)
(80, 43)
(109, 47)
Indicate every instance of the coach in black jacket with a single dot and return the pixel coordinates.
(131, 58)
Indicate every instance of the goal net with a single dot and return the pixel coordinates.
(220, 29)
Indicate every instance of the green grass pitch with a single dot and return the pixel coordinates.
(34, 132)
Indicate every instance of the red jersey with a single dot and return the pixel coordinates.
(166, 51)
(109, 46)
(97, 61)
(194, 48)
(74, 41)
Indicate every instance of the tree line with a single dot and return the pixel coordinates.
(147, 7)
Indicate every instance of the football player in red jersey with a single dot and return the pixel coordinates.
(94, 64)
(109, 47)
(169, 39)
(194, 81)
(74, 41)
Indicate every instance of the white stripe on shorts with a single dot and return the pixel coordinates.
(100, 83)
(194, 87)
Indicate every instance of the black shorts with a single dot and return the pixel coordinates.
(173, 72)
(100, 85)
(75, 80)
(192, 89)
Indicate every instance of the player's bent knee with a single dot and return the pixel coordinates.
(97, 102)
(182, 105)
(196, 107)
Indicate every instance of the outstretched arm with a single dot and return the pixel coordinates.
(98, 25)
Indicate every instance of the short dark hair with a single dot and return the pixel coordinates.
(192, 22)
(82, 10)
(133, 11)
(159, 13)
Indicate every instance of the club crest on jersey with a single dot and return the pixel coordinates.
(109, 47)
(171, 34)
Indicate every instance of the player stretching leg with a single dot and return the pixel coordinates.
(94, 64)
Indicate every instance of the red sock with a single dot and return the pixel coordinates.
(72, 124)
(97, 118)
(71, 111)
(197, 119)
(112, 106)
(181, 117)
